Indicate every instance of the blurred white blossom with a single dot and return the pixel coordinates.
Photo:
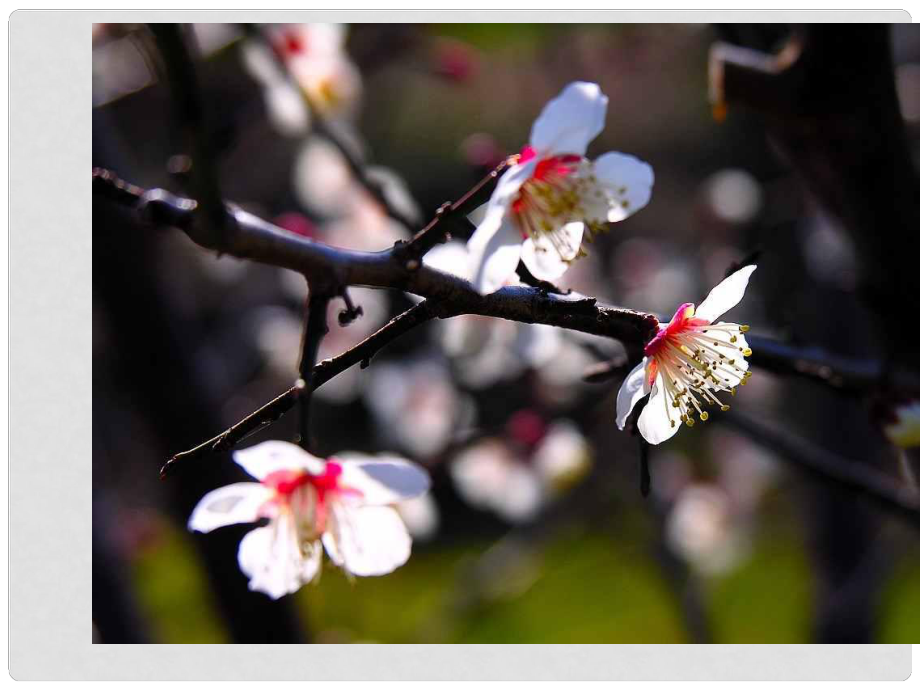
(734, 195)
(421, 516)
(703, 531)
(517, 475)
(485, 350)
(304, 63)
(415, 405)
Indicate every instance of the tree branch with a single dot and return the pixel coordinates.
(260, 241)
(190, 113)
(314, 330)
(859, 478)
(321, 373)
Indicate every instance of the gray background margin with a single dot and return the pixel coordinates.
(50, 264)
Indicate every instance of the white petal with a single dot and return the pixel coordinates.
(655, 420)
(495, 249)
(725, 295)
(509, 184)
(382, 480)
(495, 246)
(421, 516)
(229, 505)
(270, 456)
(570, 121)
(627, 180)
(478, 214)
(370, 540)
(549, 259)
(273, 560)
(631, 392)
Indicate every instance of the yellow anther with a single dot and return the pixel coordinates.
(745, 329)
(704, 416)
(726, 408)
(747, 352)
(733, 339)
(690, 422)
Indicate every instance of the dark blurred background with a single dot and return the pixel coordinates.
(535, 530)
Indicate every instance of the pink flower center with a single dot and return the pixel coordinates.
(551, 197)
(326, 485)
(683, 321)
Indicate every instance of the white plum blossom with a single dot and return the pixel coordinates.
(688, 362)
(344, 504)
(553, 195)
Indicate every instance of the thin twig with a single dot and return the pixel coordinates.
(189, 109)
(436, 231)
(322, 372)
(314, 330)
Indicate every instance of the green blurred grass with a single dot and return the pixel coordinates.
(590, 588)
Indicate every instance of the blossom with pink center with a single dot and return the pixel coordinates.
(688, 362)
(344, 504)
(314, 55)
(552, 196)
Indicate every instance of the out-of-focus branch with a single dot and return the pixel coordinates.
(190, 114)
(832, 110)
(847, 374)
(859, 478)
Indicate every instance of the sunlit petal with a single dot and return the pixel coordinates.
(570, 121)
(229, 505)
(725, 295)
